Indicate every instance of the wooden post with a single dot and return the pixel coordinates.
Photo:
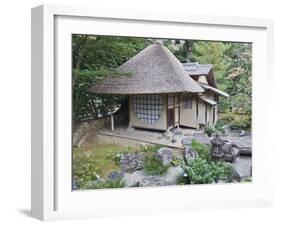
(112, 122)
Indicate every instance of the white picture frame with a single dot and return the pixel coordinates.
(52, 197)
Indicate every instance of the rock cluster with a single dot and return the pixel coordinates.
(189, 154)
(164, 155)
(131, 162)
(223, 150)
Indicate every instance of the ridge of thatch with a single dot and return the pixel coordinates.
(153, 70)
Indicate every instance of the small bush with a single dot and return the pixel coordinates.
(227, 118)
(227, 171)
(153, 166)
(241, 123)
(210, 130)
(202, 150)
(219, 126)
(237, 120)
(201, 172)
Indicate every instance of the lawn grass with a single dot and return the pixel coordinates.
(99, 159)
(90, 163)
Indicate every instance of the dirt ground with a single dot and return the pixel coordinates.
(97, 138)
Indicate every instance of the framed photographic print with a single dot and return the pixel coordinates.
(135, 112)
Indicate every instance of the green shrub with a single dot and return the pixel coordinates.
(241, 123)
(237, 120)
(209, 130)
(201, 172)
(227, 118)
(219, 126)
(88, 105)
(202, 150)
(153, 166)
(227, 171)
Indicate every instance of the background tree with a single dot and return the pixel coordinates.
(94, 58)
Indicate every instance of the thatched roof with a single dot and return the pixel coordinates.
(153, 70)
(195, 69)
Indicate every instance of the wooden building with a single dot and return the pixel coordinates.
(163, 92)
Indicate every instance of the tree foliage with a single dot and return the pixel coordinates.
(94, 58)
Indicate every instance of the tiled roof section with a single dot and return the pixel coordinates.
(197, 69)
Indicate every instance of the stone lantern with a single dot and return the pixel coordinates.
(223, 150)
(216, 150)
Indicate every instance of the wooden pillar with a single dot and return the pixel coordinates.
(112, 122)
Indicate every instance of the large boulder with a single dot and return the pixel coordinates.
(154, 181)
(242, 167)
(131, 162)
(223, 149)
(189, 154)
(245, 150)
(114, 175)
(186, 141)
(229, 152)
(178, 131)
(164, 155)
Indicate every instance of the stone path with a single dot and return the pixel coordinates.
(244, 144)
(154, 137)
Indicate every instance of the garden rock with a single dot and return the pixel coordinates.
(186, 141)
(229, 152)
(242, 133)
(242, 167)
(245, 150)
(227, 129)
(165, 155)
(189, 154)
(131, 162)
(178, 131)
(168, 134)
(75, 185)
(223, 149)
(154, 181)
(114, 175)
